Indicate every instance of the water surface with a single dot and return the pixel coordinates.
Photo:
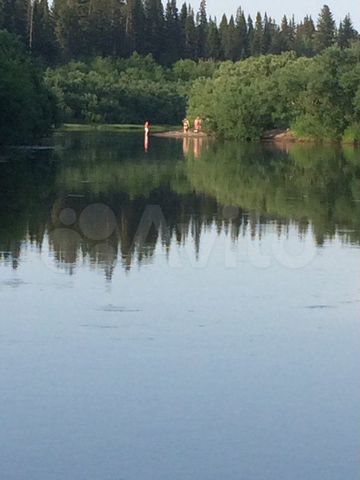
(189, 312)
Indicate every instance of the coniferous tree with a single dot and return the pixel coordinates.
(202, 30)
(7, 17)
(231, 46)
(286, 35)
(304, 38)
(213, 41)
(276, 40)
(250, 35)
(325, 32)
(118, 28)
(135, 26)
(241, 29)
(43, 42)
(182, 19)
(72, 27)
(23, 12)
(223, 33)
(154, 27)
(191, 36)
(346, 33)
(268, 34)
(172, 33)
(258, 39)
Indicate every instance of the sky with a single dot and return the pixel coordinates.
(277, 8)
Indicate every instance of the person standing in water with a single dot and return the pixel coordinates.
(146, 140)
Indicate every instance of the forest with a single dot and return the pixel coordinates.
(111, 61)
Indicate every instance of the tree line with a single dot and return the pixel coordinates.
(79, 29)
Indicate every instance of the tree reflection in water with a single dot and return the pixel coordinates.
(88, 199)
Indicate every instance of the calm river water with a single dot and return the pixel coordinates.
(186, 313)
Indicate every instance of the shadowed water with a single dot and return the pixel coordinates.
(189, 312)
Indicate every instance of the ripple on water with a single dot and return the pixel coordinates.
(116, 309)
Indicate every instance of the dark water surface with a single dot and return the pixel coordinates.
(189, 313)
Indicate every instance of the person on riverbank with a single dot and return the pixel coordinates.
(186, 125)
(197, 125)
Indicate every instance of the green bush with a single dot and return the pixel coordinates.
(318, 98)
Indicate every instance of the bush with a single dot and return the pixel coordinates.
(318, 98)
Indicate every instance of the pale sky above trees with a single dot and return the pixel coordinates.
(277, 8)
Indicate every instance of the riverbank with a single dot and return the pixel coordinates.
(289, 136)
(277, 136)
(181, 134)
(102, 127)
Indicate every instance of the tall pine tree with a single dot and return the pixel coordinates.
(346, 33)
(43, 42)
(202, 30)
(173, 33)
(191, 36)
(325, 32)
(135, 26)
(154, 27)
(258, 39)
(242, 40)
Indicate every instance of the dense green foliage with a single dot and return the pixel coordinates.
(64, 30)
(117, 61)
(125, 91)
(27, 106)
(317, 97)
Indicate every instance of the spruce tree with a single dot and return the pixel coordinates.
(268, 34)
(191, 36)
(154, 27)
(250, 35)
(346, 33)
(43, 42)
(135, 26)
(202, 30)
(118, 28)
(241, 29)
(72, 27)
(304, 38)
(231, 46)
(182, 19)
(286, 35)
(223, 33)
(22, 9)
(213, 41)
(325, 32)
(258, 40)
(172, 33)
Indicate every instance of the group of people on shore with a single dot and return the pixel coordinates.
(186, 128)
(197, 125)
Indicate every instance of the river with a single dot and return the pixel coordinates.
(185, 311)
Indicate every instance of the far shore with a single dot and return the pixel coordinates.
(279, 136)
